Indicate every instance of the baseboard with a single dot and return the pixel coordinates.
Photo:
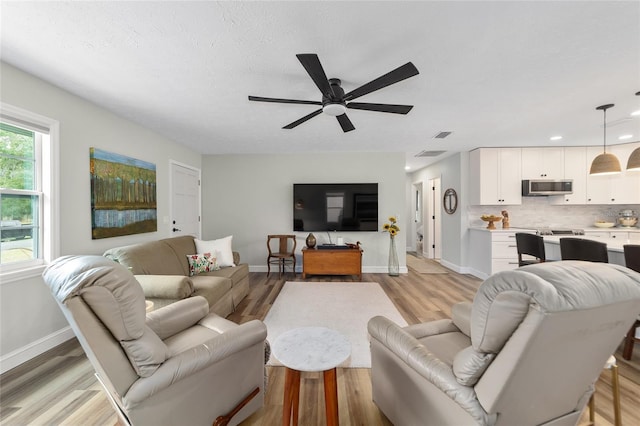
(464, 270)
(365, 269)
(477, 274)
(32, 350)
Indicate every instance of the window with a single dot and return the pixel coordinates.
(20, 194)
(26, 190)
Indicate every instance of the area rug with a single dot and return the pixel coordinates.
(342, 306)
(425, 266)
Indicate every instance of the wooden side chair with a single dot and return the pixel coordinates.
(285, 252)
(583, 249)
(632, 261)
(531, 245)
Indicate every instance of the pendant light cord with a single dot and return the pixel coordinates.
(604, 109)
(604, 126)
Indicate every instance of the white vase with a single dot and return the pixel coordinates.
(394, 267)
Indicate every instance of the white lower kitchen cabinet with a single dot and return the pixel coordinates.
(493, 251)
(596, 234)
(634, 237)
(631, 235)
(619, 235)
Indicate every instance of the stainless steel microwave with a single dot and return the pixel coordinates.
(535, 187)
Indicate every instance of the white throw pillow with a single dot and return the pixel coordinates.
(221, 249)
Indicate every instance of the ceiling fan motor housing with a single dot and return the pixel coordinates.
(334, 106)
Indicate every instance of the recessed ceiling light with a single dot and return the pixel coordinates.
(625, 137)
(407, 167)
(635, 113)
(555, 138)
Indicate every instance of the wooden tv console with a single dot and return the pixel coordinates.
(332, 262)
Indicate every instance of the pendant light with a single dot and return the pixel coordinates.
(605, 163)
(633, 164)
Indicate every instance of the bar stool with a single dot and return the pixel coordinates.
(532, 245)
(632, 261)
(583, 249)
(612, 366)
(594, 251)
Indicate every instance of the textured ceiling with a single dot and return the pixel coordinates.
(494, 73)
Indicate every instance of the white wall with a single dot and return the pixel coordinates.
(30, 321)
(250, 196)
(452, 172)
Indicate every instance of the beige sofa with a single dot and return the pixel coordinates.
(162, 269)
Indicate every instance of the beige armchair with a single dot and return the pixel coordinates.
(527, 351)
(177, 365)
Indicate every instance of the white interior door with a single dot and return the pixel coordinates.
(433, 223)
(185, 200)
(437, 225)
(418, 217)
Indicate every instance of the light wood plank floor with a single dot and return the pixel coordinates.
(58, 387)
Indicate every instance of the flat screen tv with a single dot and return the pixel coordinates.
(335, 207)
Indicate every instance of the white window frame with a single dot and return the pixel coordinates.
(48, 174)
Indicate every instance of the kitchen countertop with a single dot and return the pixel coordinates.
(499, 229)
(528, 229)
(614, 229)
(613, 244)
(614, 247)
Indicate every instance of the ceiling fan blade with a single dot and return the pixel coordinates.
(395, 109)
(345, 123)
(303, 119)
(401, 73)
(283, 101)
(311, 63)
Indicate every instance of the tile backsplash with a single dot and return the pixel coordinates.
(537, 212)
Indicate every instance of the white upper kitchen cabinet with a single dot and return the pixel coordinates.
(597, 186)
(575, 158)
(623, 188)
(495, 176)
(543, 163)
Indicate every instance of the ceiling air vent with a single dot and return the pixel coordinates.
(442, 135)
(426, 153)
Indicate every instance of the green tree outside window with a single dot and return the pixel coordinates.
(18, 205)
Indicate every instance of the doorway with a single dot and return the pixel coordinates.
(433, 221)
(185, 200)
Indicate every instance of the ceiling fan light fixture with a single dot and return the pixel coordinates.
(334, 109)
(605, 163)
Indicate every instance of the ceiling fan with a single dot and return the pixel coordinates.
(335, 102)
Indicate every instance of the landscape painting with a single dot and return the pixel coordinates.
(123, 195)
